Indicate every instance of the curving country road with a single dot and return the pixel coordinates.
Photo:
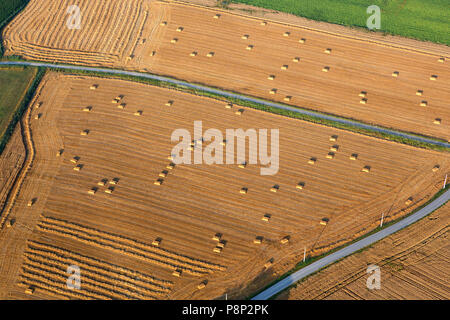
(319, 264)
(231, 95)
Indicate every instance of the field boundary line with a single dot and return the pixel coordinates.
(330, 33)
(150, 254)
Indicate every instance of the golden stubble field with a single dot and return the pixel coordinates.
(414, 264)
(333, 73)
(134, 239)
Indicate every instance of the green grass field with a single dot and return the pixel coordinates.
(14, 83)
(9, 7)
(419, 19)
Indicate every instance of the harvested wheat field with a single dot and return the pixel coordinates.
(324, 71)
(100, 192)
(414, 264)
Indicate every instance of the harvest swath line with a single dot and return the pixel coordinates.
(235, 96)
(319, 264)
(211, 52)
(41, 249)
(30, 154)
(111, 239)
(99, 277)
(131, 247)
(397, 15)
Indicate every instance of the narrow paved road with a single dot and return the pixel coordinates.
(317, 265)
(233, 95)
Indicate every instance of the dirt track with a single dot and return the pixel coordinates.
(194, 202)
(355, 65)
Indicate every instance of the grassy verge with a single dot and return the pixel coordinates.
(8, 10)
(418, 19)
(310, 260)
(17, 87)
(274, 110)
